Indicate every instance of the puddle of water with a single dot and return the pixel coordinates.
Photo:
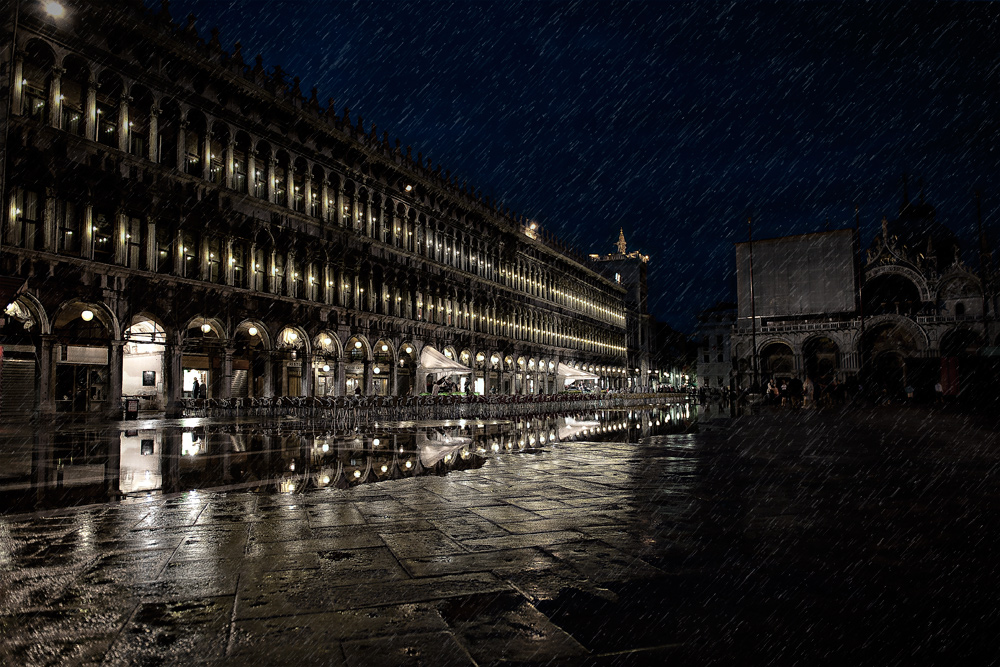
(51, 467)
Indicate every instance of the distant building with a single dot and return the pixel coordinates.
(714, 335)
(629, 270)
(908, 313)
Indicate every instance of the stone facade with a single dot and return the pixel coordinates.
(921, 316)
(177, 214)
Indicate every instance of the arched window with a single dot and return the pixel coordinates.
(959, 309)
(72, 89)
(68, 219)
(109, 93)
(35, 81)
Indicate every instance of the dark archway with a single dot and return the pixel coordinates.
(776, 359)
(821, 357)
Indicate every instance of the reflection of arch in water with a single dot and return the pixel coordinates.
(821, 357)
(776, 358)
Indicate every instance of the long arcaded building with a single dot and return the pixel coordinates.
(177, 216)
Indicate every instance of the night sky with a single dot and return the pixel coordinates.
(673, 120)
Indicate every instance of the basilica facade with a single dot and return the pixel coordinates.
(179, 222)
(907, 315)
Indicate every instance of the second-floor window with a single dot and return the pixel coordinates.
(239, 171)
(238, 261)
(103, 235)
(68, 224)
(133, 242)
(164, 249)
(189, 255)
(27, 209)
(107, 124)
(215, 260)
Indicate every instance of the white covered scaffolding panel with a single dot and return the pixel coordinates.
(432, 361)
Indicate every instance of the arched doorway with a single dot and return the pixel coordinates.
(355, 356)
(382, 368)
(890, 354)
(202, 348)
(326, 356)
(83, 334)
(776, 360)
(291, 346)
(143, 362)
(821, 357)
(250, 345)
(406, 370)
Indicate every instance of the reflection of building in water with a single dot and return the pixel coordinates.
(59, 469)
(140, 461)
(173, 210)
(920, 315)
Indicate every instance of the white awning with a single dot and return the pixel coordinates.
(432, 361)
(573, 374)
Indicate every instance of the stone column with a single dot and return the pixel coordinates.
(366, 390)
(307, 195)
(252, 172)
(206, 156)
(55, 97)
(324, 201)
(173, 376)
(154, 132)
(272, 163)
(269, 374)
(226, 389)
(90, 112)
(307, 374)
(123, 128)
(114, 398)
(47, 376)
(119, 237)
(182, 145)
(338, 388)
(227, 161)
(49, 231)
(17, 103)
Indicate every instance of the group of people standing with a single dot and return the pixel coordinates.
(792, 392)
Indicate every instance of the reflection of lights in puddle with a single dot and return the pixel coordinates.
(326, 447)
(376, 442)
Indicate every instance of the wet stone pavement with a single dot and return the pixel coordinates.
(849, 537)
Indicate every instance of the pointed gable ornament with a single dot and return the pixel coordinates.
(621, 241)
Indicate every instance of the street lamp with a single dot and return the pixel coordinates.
(54, 9)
